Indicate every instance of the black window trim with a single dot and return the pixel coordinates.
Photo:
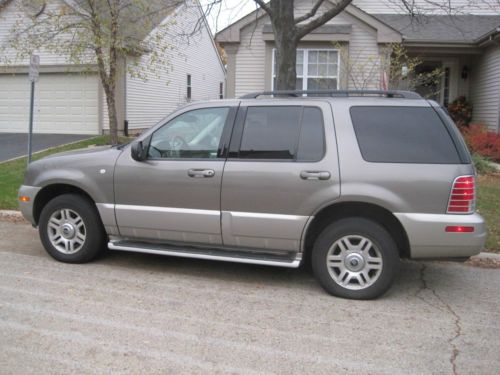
(451, 128)
(222, 149)
(239, 125)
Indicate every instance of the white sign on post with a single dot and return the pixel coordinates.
(34, 67)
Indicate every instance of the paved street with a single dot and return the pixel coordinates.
(13, 145)
(133, 313)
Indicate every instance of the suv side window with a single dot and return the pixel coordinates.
(194, 134)
(403, 135)
(283, 133)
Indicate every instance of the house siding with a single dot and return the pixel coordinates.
(9, 16)
(165, 88)
(485, 86)
(251, 59)
(364, 56)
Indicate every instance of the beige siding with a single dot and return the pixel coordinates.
(486, 88)
(165, 88)
(364, 57)
(251, 57)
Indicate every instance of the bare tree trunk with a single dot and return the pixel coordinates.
(109, 90)
(113, 61)
(112, 118)
(286, 44)
(107, 79)
(288, 30)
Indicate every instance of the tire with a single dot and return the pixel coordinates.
(363, 259)
(71, 230)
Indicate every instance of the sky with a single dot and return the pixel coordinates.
(227, 12)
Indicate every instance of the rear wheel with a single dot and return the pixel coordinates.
(71, 230)
(355, 258)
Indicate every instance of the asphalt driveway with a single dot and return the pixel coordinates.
(13, 145)
(136, 313)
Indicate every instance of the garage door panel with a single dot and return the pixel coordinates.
(64, 103)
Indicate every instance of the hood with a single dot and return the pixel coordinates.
(77, 167)
(82, 151)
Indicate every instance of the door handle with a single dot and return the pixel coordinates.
(315, 175)
(201, 173)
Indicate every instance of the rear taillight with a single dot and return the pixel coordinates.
(463, 196)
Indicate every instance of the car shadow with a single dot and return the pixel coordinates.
(408, 277)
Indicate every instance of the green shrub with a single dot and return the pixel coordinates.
(482, 164)
(460, 111)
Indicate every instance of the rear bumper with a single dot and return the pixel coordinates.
(27, 207)
(428, 239)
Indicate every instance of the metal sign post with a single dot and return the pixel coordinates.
(33, 76)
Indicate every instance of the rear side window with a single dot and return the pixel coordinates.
(283, 132)
(403, 135)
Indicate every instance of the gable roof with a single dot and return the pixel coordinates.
(385, 33)
(442, 28)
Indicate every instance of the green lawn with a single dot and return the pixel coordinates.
(12, 174)
(489, 206)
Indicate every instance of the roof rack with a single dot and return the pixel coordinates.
(336, 93)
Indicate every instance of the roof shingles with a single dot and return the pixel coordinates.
(441, 28)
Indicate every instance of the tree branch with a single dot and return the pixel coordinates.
(264, 6)
(311, 13)
(305, 29)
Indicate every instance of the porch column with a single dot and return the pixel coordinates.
(231, 50)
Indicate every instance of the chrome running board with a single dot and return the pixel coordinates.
(288, 260)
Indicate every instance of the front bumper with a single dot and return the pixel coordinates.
(27, 207)
(428, 238)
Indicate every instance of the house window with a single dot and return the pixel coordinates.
(221, 90)
(188, 87)
(317, 69)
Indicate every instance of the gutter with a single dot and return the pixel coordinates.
(488, 37)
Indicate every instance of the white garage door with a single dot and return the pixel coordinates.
(64, 103)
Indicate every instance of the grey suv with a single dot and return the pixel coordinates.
(350, 181)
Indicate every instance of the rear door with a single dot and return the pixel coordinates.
(282, 166)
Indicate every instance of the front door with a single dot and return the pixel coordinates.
(174, 195)
(282, 166)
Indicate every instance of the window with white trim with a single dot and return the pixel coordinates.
(317, 69)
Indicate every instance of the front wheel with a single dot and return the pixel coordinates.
(71, 230)
(355, 258)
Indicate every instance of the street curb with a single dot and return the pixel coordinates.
(10, 213)
(12, 216)
(484, 255)
(47, 149)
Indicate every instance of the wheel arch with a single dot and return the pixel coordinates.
(337, 211)
(49, 192)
